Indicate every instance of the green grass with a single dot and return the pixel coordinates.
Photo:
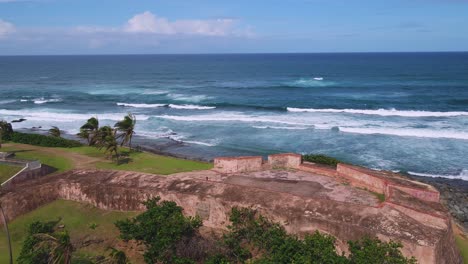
(150, 163)
(79, 219)
(56, 161)
(6, 171)
(143, 162)
(462, 244)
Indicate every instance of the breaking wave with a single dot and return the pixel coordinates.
(44, 101)
(463, 175)
(192, 107)
(311, 82)
(281, 127)
(189, 98)
(229, 117)
(141, 105)
(174, 106)
(424, 133)
(381, 112)
(63, 116)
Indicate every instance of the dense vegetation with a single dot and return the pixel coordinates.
(170, 237)
(321, 159)
(41, 140)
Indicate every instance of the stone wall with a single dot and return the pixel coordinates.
(359, 178)
(286, 160)
(321, 170)
(214, 200)
(238, 164)
(425, 195)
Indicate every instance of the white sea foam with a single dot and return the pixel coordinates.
(174, 106)
(199, 143)
(463, 175)
(153, 92)
(24, 100)
(44, 101)
(229, 117)
(50, 115)
(281, 127)
(311, 82)
(381, 112)
(424, 133)
(7, 101)
(189, 98)
(141, 105)
(191, 107)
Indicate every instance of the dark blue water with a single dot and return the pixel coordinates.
(397, 111)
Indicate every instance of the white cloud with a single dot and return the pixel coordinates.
(147, 22)
(6, 28)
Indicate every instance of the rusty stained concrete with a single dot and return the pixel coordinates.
(303, 202)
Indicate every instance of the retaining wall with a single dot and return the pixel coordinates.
(238, 164)
(286, 160)
(213, 201)
(321, 170)
(358, 178)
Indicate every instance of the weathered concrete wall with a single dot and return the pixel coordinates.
(238, 164)
(321, 170)
(358, 178)
(29, 174)
(214, 200)
(425, 195)
(286, 160)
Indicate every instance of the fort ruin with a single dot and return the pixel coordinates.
(345, 201)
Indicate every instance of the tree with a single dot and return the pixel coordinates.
(5, 130)
(7, 232)
(30, 253)
(55, 132)
(160, 228)
(127, 128)
(117, 257)
(106, 139)
(90, 129)
(372, 250)
(59, 246)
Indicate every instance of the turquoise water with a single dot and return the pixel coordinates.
(395, 111)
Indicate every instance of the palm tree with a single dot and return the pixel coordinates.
(60, 246)
(106, 139)
(90, 128)
(55, 131)
(117, 257)
(84, 134)
(7, 232)
(5, 129)
(127, 128)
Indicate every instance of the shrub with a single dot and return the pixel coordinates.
(321, 159)
(41, 140)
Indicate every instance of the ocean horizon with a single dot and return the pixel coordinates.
(399, 111)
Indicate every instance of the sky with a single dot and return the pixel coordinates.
(40, 27)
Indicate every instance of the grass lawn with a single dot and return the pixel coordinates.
(143, 162)
(6, 171)
(150, 163)
(27, 152)
(92, 158)
(462, 243)
(77, 218)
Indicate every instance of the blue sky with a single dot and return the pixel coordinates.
(206, 26)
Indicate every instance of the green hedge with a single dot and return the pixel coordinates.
(321, 159)
(41, 140)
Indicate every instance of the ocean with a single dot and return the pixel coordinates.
(394, 111)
